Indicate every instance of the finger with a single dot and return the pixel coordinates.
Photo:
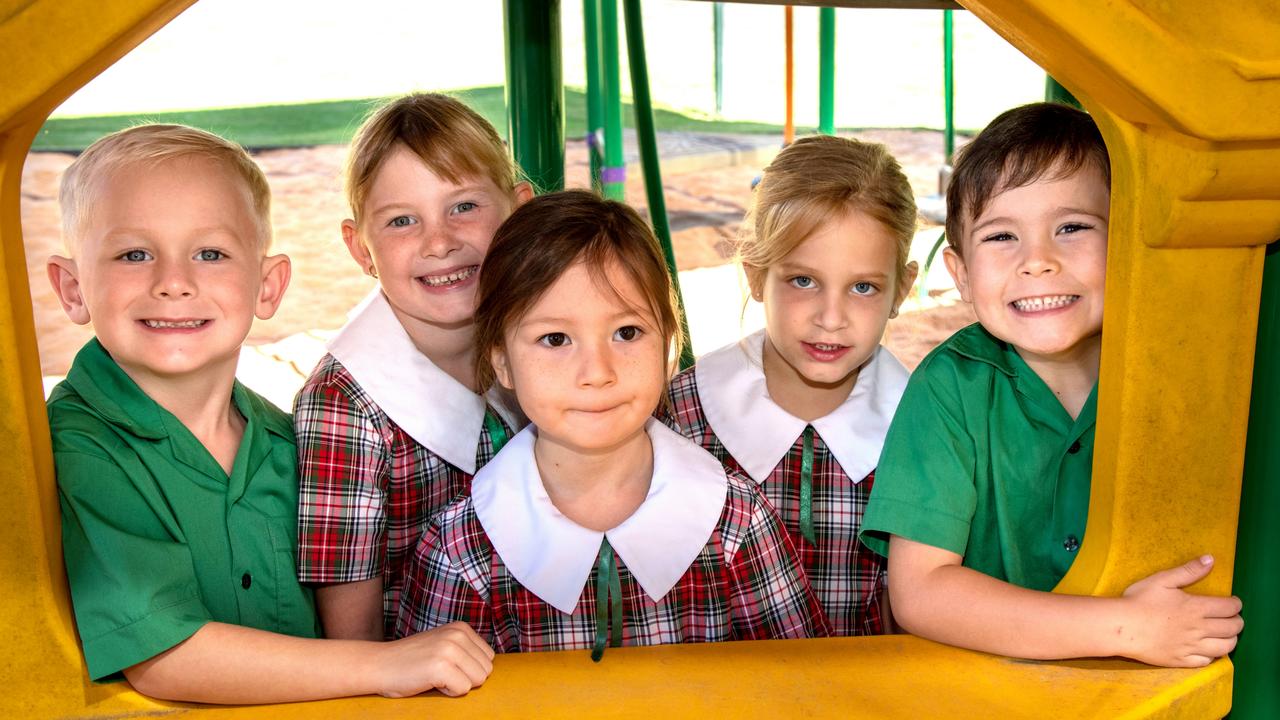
(475, 639)
(1215, 647)
(1194, 661)
(1222, 627)
(1186, 573)
(1219, 607)
(475, 669)
(452, 681)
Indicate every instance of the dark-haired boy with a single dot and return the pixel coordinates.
(982, 491)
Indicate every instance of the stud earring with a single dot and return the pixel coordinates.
(373, 271)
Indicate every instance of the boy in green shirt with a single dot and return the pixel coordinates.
(982, 490)
(177, 484)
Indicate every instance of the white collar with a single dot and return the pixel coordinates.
(440, 413)
(758, 433)
(552, 556)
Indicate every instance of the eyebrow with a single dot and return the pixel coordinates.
(789, 268)
(555, 320)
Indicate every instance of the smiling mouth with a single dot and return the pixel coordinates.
(1044, 302)
(827, 347)
(453, 278)
(174, 324)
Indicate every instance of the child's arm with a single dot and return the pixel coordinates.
(1155, 621)
(351, 611)
(224, 663)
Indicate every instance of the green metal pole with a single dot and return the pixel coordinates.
(648, 141)
(614, 173)
(827, 71)
(595, 100)
(535, 90)
(1256, 694)
(949, 84)
(717, 16)
(1055, 93)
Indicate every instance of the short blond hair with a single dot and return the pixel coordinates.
(449, 137)
(151, 145)
(821, 177)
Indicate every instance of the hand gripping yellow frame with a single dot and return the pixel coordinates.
(1188, 98)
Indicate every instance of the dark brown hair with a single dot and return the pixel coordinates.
(451, 138)
(545, 237)
(1017, 149)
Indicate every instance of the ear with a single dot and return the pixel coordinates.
(502, 371)
(65, 279)
(755, 281)
(959, 272)
(523, 194)
(905, 283)
(355, 245)
(276, 271)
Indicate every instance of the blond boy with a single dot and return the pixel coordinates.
(176, 483)
(982, 491)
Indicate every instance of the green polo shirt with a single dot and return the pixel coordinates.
(982, 460)
(158, 540)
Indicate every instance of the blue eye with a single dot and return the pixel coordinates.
(210, 255)
(802, 282)
(463, 207)
(135, 256)
(554, 340)
(402, 221)
(627, 333)
(864, 288)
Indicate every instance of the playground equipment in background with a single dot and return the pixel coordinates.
(1188, 99)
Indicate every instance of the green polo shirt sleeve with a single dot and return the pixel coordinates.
(133, 587)
(924, 485)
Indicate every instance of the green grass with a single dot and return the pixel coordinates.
(333, 122)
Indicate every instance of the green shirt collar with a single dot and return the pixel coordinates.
(975, 343)
(104, 386)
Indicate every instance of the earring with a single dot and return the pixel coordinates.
(893, 313)
(373, 271)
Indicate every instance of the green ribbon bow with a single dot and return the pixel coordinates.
(806, 487)
(608, 602)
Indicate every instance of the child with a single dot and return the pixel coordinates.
(984, 480)
(390, 427)
(597, 524)
(802, 407)
(176, 483)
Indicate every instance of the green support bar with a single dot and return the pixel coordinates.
(827, 71)
(717, 25)
(949, 85)
(614, 173)
(1256, 694)
(1055, 93)
(595, 98)
(648, 141)
(535, 90)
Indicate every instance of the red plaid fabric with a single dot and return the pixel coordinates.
(846, 576)
(746, 584)
(367, 490)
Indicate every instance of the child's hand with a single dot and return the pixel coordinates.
(1173, 628)
(451, 658)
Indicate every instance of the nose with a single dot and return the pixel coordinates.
(438, 239)
(1039, 257)
(174, 280)
(832, 314)
(596, 365)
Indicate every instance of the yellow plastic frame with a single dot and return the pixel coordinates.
(1188, 98)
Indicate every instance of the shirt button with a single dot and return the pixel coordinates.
(1075, 447)
(1071, 544)
(246, 580)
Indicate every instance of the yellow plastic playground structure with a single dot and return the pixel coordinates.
(1188, 98)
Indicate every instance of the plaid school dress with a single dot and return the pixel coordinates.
(723, 405)
(703, 559)
(385, 441)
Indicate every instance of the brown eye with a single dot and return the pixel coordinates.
(554, 340)
(627, 333)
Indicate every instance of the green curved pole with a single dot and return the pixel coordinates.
(535, 90)
(827, 71)
(949, 85)
(717, 29)
(1055, 93)
(613, 175)
(1257, 657)
(648, 142)
(595, 101)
